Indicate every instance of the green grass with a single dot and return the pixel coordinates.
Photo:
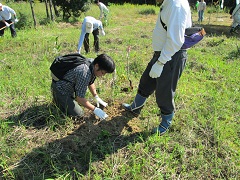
(37, 142)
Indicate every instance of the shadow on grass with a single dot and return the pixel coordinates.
(218, 30)
(37, 116)
(91, 142)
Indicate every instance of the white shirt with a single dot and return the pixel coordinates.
(176, 14)
(6, 13)
(103, 9)
(236, 10)
(97, 24)
(201, 6)
(236, 16)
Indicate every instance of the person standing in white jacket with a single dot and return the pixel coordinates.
(167, 64)
(90, 25)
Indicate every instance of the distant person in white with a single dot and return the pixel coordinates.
(201, 8)
(103, 10)
(90, 25)
(236, 19)
(7, 19)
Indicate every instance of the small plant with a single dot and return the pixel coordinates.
(104, 134)
(24, 21)
(147, 11)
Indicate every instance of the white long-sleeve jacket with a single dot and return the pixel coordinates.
(97, 24)
(6, 13)
(103, 9)
(236, 15)
(176, 14)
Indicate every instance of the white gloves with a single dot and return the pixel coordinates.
(102, 33)
(156, 70)
(100, 113)
(7, 24)
(100, 101)
(15, 20)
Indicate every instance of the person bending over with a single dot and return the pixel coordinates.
(7, 19)
(90, 25)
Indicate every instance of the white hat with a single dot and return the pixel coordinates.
(89, 27)
(0, 4)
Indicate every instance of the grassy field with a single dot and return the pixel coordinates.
(38, 142)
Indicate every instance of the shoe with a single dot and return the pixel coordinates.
(136, 105)
(165, 124)
(135, 112)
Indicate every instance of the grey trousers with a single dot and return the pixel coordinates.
(67, 104)
(165, 85)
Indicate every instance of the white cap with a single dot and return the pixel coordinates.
(89, 27)
(0, 4)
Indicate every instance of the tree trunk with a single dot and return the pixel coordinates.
(34, 19)
(55, 9)
(46, 5)
(50, 7)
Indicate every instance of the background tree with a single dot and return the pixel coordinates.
(72, 7)
(227, 3)
(33, 14)
(51, 7)
(55, 9)
(47, 11)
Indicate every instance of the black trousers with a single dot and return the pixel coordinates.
(164, 86)
(95, 43)
(12, 28)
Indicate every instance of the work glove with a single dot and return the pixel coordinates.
(102, 33)
(156, 70)
(100, 101)
(7, 24)
(15, 20)
(100, 113)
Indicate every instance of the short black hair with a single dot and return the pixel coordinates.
(105, 63)
(96, 1)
